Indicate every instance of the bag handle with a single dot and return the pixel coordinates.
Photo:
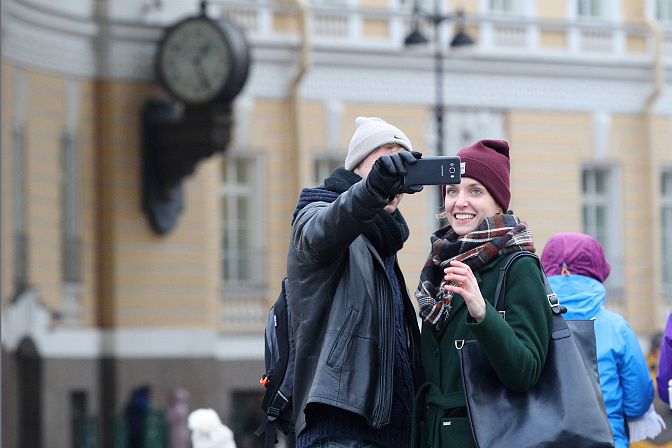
(501, 284)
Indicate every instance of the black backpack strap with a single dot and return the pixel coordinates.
(270, 424)
(291, 439)
(268, 427)
(501, 284)
(277, 399)
(277, 404)
(271, 434)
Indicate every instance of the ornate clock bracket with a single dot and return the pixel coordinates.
(203, 64)
(174, 141)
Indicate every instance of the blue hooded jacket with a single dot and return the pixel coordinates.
(626, 383)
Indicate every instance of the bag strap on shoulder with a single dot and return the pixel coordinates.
(501, 283)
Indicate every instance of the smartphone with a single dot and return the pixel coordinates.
(434, 171)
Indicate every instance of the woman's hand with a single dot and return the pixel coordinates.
(467, 287)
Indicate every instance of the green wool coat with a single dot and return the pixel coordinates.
(516, 348)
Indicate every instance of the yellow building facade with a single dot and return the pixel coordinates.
(95, 303)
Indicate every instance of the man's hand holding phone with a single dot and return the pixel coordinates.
(434, 171)
(387, 174)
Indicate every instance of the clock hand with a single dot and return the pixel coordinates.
(200, 71)
(203, 51)
(202, 76)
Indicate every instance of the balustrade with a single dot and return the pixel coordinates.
(342, 25)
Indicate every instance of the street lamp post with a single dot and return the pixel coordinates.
(460, 39)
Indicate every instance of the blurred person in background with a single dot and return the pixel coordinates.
(136, 413)
(208, 431)
(653, 358)
(664, 439)
(177, 416)
(576, 269)
(664, 374)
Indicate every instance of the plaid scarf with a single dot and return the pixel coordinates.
(496, 236)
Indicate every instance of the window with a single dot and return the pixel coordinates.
(325, 164)
(590, 9)
(241, 221)
(29, 411)
(664, 10)
(502, 6)
(18, 193)
(71, 244)
(595, 203)
(601, 220)
(78, 414)
(426, 6)
(328, 2)
(666, 202)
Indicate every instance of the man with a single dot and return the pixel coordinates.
(358, 361)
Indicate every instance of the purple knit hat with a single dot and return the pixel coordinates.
(582, 254)
(487, 161)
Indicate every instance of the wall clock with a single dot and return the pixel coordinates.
(202, 60)
(203, 64)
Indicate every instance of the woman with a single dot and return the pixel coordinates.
(456, 293)
(576, 268)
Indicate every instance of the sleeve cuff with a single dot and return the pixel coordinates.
(490, 314)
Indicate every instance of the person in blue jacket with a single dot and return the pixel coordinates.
(136, 413)
(576, 268)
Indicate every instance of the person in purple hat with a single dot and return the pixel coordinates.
(456, 293)
(576, 268)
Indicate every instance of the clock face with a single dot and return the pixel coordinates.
(194, 60)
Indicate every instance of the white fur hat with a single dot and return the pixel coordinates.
(371, 134)
(207, 430)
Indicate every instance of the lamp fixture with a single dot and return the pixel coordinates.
(416, 37)
(460, 39)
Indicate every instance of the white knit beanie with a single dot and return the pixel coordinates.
(371, 134)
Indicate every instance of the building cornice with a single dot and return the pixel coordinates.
(27, 318)
(350, 67)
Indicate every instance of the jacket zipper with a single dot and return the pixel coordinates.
(384, 402)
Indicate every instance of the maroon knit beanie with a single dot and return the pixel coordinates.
(487, 161)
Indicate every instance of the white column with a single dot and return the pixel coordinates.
(333, 116)
(243, 107)
(601, 124)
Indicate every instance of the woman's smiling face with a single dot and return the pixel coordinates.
(468, 204)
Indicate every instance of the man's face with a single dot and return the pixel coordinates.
(364, 168)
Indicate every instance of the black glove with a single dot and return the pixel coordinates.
(387, 174)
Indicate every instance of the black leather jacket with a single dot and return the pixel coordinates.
(342, 311)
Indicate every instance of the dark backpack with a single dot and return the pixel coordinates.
(279, 376)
